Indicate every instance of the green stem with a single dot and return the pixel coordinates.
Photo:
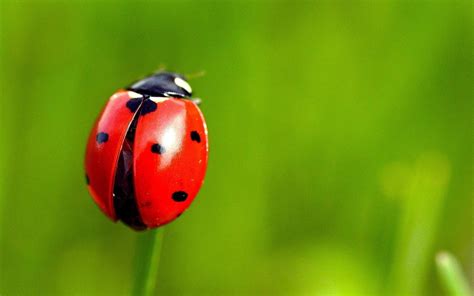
(147, 262)
(451, 275)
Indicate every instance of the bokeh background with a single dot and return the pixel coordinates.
(340, 136)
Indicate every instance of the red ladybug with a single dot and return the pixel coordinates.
(147, 153)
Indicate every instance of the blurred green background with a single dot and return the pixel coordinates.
(340, 144)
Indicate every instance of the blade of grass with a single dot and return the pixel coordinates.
(421, 202)
(147, 262)
(451, 275)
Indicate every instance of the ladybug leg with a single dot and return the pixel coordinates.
(196, 101)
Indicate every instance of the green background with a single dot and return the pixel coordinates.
(340, 144)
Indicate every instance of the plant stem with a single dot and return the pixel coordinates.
(451, 275)
(147, 262)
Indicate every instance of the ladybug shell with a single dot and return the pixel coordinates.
(170, 152)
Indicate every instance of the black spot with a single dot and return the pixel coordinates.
(148, 107)
(179, 196)
(157, 148)
(87, 180)
(102, 137)
(195, 136)
(133, 104)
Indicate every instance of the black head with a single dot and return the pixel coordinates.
(163, 84)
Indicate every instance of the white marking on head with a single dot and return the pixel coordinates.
(134, 95)
(159, 99)
(183, 84)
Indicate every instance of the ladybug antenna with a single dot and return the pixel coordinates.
(195, 75)
(161, 68)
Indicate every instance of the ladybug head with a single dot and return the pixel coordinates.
(163, 84)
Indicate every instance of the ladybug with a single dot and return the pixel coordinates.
(147, 153)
